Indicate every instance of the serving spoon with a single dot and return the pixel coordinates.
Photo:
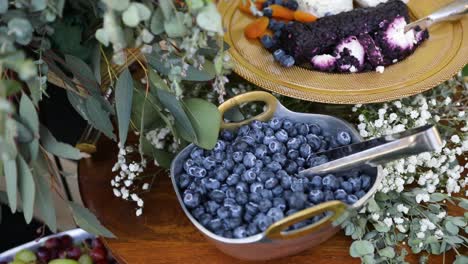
(378, 151)
(450, 12)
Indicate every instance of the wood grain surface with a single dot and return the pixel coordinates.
(163, 234)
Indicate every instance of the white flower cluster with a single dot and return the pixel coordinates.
(428, 170)
(123, 183)
(162, 138)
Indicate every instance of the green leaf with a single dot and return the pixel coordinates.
(458, 221)
(167, 8)
(157, 22)
(181, 119)
(3, 6)
(57, 148)
(45, 202)
(26, 187)
(463, 203)
(451, 228)
(25, 135)
(38, 5)
(151, 117)
(461, 259)
(88, 221)
(123, 103)
(206, 120)
(135, 13)
(209, 19)
(453, 240)
(437, 197)
(22, 29)
(465, 71)
(175, 25)
(381, 227)
(360, 248)
(29, 115)
(388, 252)
(118, 5)
(98, 117)
(12, 86)
(78, 104)
(368, 259)
(192, 73)
(11, 179)
(83, 73)
(157, 81)
(162, 158)
(372, 206)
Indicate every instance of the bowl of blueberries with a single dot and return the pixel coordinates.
(245, 194)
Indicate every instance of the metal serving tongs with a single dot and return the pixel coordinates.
(450, 12)
(379, 150)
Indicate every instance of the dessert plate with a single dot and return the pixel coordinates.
(434, 62)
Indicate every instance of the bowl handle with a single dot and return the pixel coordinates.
(275, 231)
(270, 101)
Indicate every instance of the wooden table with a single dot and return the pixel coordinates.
(164, 234)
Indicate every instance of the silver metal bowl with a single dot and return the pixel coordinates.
(275, 242)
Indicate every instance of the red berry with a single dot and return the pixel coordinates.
(74, 253)
(66, 241)
(52, 243)
(98, 254)
(44, 254)
(53, 253)
(97, 243)
(62, 254)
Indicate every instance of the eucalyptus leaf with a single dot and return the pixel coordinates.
(151, 117)
(82, 72)
(135, 13)
(458, 221)
(123, 103)
(437, 197)
(29, 115)
(57, 148)
(22, 29)
(461, 259)
(192, 74)
(175, 25)
(157, 22)
(3, 6)
(45, 202)
(463, 203)
(162, 158)
(118, 5)
(388, 252)
(11, 180)
(11, 86)
(98, 117)
(36, 88)
(27, 188)
(451, 228)
(88, 221)
(372, 206)
(25, 134)
(206, 120)
(38, 5)
(78, 104)
(360, 248)
(167, 8)
(381, 227)
(156, 81)
(209, 19)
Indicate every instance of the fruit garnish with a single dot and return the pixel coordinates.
(304, 17)
(257, 28)
(244, 6)
(282, 12)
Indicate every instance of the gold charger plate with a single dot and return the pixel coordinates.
(435, 61)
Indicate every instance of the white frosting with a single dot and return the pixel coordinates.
(321, 8)
(369, 3)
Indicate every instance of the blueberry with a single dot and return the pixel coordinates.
(282, 136)
(210, 183)
(198, 211)
(297, 185)
(293, 144)
(299, 225)
(317, 160)
(265, 175)
(274, 166)
(227, 234)
(271, 183)
(280, 203)
(240, 232)
(297, 200)
(277, 191)
(305, 150)
(258, 164)
(191, 199)
(196, 171)
(268, 12)
(219, 156)
(258, 136)
(343, 138)
(262, 221)
(351, 199)
(255, 197)
(360, 194)
(238, 156)
(275, 123)
(196, 186)
(302, 129)
(314, 141)
(330, 182)
(249, 160)
(256, 125)
(287, 61)
(228, 164)
(239, 169)
(249, 176)
(291, 212)
(316, 182)
(316, 196)
(366, 182)
(280, 174)
(300, 163)
(292, 132)
(356, 183)
(188, 163)
(243, 130)
(261, 151)
(328, 196)
(268, 139)
(227, 135)
(242, 187)
(293, 154)
(347, 186)
(267, 194)
(205, 219)
(293, 5)
(236, 210)
(217, 195)
(251, 208)
(278, 26)
(242, 198)
(252, 229)
(256, 187)
(219, 146)
(221, 174)
(267, 3)
(280, 158)
(223, 212)
(277, 2)
(233, 222)
(184, 181)
(274, 146)
(275, 213)
(340, 194)
(272, 24)
(264, 205)
(197, 153)
(233, 179)
(286, 182)
(315, 129)
(230, 202)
